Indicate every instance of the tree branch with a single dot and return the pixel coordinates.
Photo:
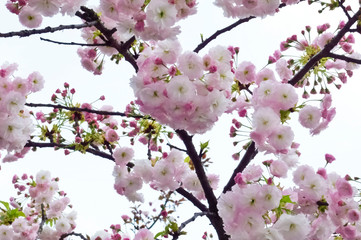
(247, 157)
(215, 219)
(325, 52)
(64, 146)
(185, 223)
(226, 29)
(219, 32)
(345, 58)
(89, 16)
(75, 109)
(74, 43)
(27, 33)
(63, 236)
(192, 199)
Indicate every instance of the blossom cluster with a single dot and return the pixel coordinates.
(15, 123)
(167, 173)
(246, 8)
(183, 89)
(320, 206)
(40, 207)
(31, 12)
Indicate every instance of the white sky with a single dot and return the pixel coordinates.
(88, 180)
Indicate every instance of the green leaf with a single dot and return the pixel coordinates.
(6, 205)
(159, 234)
(285, 115)
(204, 145)
(286, 199)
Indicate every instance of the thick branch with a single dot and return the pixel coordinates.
(27, 33)
(90, 15)
(192, 199)
(325, 52)
(215, 219)
(191, 151)
(345, 58)
(247, 157)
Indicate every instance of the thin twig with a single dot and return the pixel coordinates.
(75, 109)
(27, 33)
(344, 9)
(160, 214)
(345, 58)
(175, 147)
(74, 43)
(226, 29)
(185, 223)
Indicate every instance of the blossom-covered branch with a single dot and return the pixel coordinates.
(325, 52)
(27, 33)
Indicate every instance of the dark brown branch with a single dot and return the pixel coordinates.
(219, 32)
(247, 157)
(192, 199)
(215, 219)
(27, 33)
(325, 52)
(201, 174)
(185, 223)
(226, 29)
(75, 109)
(175, 147)
(43, 219)
(89, 15)
(340, 3)
(64, 146)
(73, 43)
(345, 58)
(63, 236)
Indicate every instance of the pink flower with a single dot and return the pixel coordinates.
(111, 135)
(245, 73)
(329, 158)
(309, 116)
(344, 188)
(30, 18)
(279, 169)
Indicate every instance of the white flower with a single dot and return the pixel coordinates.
(180, 89)
(281, 138)
(191, 64)
(309, 116)
(265, 120)
(62, 225)
(47, 8)
(293, 226)
(162, 13)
